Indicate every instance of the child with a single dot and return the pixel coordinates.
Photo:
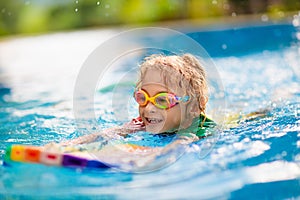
(172, 94)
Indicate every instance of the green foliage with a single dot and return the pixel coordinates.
(33, 19)
(9, 16)
(206, 8)
(36, 16)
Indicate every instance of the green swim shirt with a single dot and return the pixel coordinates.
(200, 127)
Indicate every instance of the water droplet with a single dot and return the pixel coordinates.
(284, 153)
(98, 3)
(264, 18)
(296, 20)
(297, 158)
(281, 14)
(298, 36)
(76, 9)
(76, 2)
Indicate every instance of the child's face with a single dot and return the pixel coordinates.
(160, 120)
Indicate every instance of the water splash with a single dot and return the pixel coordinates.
(296, 20)
(264, 18)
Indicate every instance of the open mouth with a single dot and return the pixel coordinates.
(153, 120)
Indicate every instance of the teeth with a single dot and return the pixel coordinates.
(152, 120)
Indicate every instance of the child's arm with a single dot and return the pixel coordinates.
(105, 134)
(135, 125)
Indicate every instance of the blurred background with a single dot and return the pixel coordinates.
(40, 16)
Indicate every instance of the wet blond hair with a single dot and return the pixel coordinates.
(184, 72)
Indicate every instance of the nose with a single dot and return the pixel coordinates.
(150, 108)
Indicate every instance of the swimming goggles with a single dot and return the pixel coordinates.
(163, 100)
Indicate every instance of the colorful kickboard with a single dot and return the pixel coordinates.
(32, 154)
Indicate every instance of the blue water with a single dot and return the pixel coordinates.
(257, 159)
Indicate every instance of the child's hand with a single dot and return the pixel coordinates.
(52, 147)
(135, 125)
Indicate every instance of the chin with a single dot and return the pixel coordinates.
(154, 130)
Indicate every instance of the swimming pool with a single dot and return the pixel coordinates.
(259, 68)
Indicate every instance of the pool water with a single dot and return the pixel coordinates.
(259, 68)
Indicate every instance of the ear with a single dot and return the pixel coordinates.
(203, 102)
